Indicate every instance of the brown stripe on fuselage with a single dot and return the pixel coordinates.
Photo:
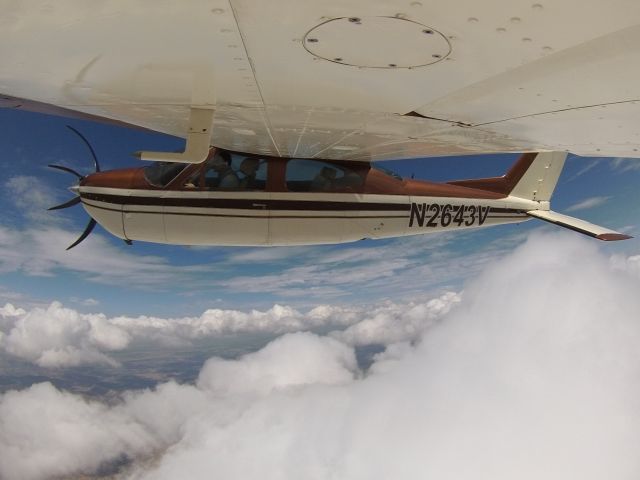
(247, 215)
(245, 204)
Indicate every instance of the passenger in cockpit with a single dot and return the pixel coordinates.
(247, 173)
(227, 178)
(323, 181)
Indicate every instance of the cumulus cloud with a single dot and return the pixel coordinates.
(60, 434)
(292, 360)
(62, 337)
(58, 337)
(534, 374)
(391, 323)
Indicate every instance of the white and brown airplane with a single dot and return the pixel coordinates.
(339, 80)
(238, 199)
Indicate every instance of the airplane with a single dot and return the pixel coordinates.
(342, 81)
(233, 198)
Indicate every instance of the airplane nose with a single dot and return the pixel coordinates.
(123, 178)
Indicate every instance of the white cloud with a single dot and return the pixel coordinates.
(589, 166)
(32, 196)
(622, 164)
(587, 203)
(10, 311)
(391, 323)
(87, 302)
(58, 434)
(296, 359)
(42, 252)
(61, 337)
(534, 374)
(261, 255)
(629, 264)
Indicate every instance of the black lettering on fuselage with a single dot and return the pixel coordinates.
(482, 214)
(417, 213)
(436, 215)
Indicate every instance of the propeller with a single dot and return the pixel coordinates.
(74, 201)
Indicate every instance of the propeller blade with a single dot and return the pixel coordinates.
(85, 234)
(70, 203)
(93, 153)
(67, 169)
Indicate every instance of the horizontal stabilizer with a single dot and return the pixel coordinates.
(577, 225)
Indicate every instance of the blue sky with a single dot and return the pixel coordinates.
(103, 274)
(151, 359)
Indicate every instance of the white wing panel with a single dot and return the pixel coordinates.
(74, 53)
(498, 68)
(601, 71)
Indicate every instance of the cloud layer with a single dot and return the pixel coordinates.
(62, 337)
(534, 374)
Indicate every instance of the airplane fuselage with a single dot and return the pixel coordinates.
(283, 208)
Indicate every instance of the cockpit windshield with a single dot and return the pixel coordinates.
(160, 174)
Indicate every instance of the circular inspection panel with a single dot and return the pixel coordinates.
(377, 42)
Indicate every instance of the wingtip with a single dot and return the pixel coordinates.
(612, 237)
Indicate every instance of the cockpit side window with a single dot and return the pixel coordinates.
(305, 175)
(231, 171)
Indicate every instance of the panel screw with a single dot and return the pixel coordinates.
(337, 59)
(354, 20)
(312, 40)
(393, 65)
(435, 55)
(428, 32)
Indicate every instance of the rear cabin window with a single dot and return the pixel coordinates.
(231, 171)
(317, 176)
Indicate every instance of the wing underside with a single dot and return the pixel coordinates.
(356, 79)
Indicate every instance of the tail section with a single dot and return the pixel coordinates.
(538, 181)
(534, 177)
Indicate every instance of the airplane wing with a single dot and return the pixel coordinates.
(338, 79)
